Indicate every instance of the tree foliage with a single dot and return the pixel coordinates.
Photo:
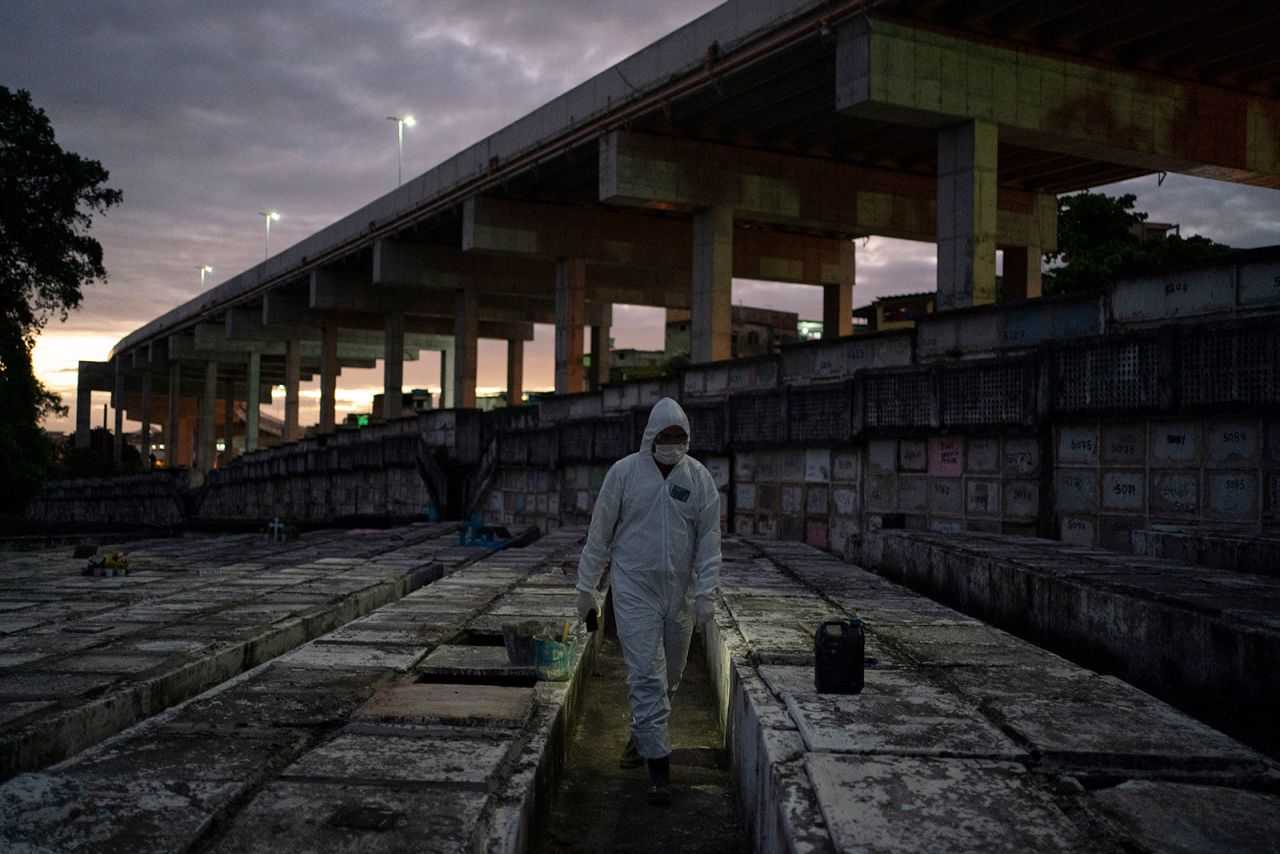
(48, 198)
(1097, 244)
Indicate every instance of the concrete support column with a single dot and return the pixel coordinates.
(515, 372)
(446, 379)
(205, 436)
(228, 419)
(117, 401)
(466, 339)
(186, 442)
(1021, 273)
(393, 366)
(172, 459)
(292, 379)
(837, 310)
(146, 420)
(328, 379)
(252, 402)
(966, 215)
(599, 355)
(84, 410)
(711, 327)
(571, 310)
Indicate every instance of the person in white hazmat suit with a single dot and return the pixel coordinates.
(657, 519)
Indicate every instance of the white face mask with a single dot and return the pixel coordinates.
(669, 455)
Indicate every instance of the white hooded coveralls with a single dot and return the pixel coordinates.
(663, 537)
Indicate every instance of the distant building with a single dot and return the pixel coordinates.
(631, 364)
(756, 331)
(417, 400)
(1147, 231)
(896, 312)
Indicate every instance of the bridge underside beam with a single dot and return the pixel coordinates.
(762, 187)
(892, 72)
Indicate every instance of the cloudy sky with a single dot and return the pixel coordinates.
(207, 112)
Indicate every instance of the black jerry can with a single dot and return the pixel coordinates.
(838, 650)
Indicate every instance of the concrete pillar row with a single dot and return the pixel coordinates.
(446, 380)
(966, 215)
(117, 401)
(252, 401)
(171, 424)
(328, 378)
(1022, 277)
(711, 327)
(205, 436)
(837, 306)
(228, 419)
(599, 355)
(146, 419)
(84, 410)
(515, 372)
(292, 379)
(466, 340)
(186, 442)
(571, 313)
(393, 366)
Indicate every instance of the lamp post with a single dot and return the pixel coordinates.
(269, 216)
(401, 123)
(204, 269)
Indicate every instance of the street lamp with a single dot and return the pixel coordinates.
(204, 269)
(401, 123)
(269, 215)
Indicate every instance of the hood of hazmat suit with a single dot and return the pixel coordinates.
(662, 537)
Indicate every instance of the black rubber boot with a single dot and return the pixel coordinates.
(631, 757)
(660, 781)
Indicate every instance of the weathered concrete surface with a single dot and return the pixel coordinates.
(1220, 548)
(964, 738)
(1206, 640)
(877, 803)
(335, 746)
(1191, 818)
(82, 658)
(601, 807)
(450, 705)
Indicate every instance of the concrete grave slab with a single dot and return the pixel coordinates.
(472, 661)
(1103, 722)
(17, 659)
(387, 633)
(1021, 457)
(54, 812)
(454, 759)
(249, 706)
(983, 455)
(306, 816)
(121, 663)
(331, 655)
(450, 705)
(176, 757)
(52, 686)
(556, 604)
(934, 804)
(897, 713)
(10, 712)
(1078, 445)
(1187, 819)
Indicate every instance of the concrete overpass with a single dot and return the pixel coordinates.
(754, 142)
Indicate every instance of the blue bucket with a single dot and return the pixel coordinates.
(552, 660)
